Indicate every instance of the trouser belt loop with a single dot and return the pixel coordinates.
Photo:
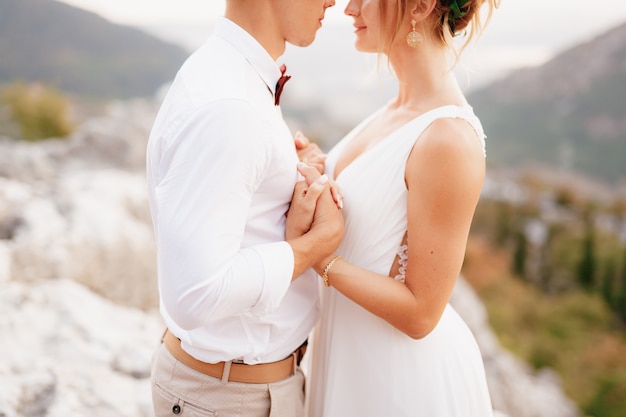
(226, 372)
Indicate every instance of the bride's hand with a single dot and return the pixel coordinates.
(309, 153)
(310, 175)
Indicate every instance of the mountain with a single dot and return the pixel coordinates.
(569, 113)
(80, 52)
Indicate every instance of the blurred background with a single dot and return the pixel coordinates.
(543, 286)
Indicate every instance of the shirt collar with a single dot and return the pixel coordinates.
(251, 49)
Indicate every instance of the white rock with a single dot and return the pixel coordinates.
(5, 262)
(66, 351)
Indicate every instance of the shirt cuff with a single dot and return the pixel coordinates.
(278, 264)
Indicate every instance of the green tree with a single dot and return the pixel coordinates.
(608, 283)
(620, 303)
(40, 111)
(520, 254)
(587, 264)
(503, 223)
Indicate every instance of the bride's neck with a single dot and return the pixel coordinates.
(425, 79)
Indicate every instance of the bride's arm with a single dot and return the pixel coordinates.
(444, 177)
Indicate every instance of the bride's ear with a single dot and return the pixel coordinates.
(421, 9)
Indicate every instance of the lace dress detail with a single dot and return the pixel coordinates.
(403, 261)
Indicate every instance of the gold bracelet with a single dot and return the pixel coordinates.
(327, 270)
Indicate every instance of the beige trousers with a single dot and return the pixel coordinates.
(180, 390)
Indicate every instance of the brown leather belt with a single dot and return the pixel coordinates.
(264, 373)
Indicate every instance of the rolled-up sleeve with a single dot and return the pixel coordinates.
(208, 172)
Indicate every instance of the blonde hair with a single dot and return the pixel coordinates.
(470, 24)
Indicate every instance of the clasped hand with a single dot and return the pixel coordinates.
(316, 202)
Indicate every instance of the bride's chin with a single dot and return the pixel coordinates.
(364, 48)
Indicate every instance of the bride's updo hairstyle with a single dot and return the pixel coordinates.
(458, 17)
(452, 17)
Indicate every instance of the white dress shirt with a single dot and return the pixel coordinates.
(221, 167)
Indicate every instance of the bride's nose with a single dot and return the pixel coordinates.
(352, 9)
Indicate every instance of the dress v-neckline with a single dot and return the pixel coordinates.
(385, 139)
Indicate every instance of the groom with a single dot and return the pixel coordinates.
(237, 295)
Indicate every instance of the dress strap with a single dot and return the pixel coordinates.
(452, 112)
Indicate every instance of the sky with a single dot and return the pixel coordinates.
(574, 16)
(522, 33)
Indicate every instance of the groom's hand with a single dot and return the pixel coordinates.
(303, 205)
(314, 221)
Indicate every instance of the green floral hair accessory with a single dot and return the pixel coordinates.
(456, 12)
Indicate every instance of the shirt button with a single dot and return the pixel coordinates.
(176, 409)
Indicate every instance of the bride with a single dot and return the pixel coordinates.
(388, 343)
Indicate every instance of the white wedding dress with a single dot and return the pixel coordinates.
(360, 365)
